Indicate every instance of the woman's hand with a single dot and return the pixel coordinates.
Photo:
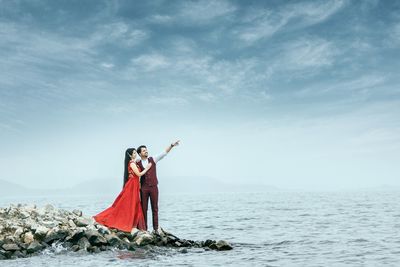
(148, 166)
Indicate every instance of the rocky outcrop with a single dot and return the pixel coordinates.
(26, 230)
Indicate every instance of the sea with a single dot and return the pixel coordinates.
(282, 228)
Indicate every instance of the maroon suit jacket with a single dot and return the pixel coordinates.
(150, 178)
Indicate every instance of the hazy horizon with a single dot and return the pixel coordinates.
(296, 94)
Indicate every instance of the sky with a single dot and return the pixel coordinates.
(292, 94)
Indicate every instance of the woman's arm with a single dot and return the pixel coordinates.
(136, 170)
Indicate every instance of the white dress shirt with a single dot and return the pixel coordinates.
(156, 159)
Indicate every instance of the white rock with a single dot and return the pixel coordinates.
(71, 224)
(91, 227)
(41, 231)
(41, 212)
(77, 212)
(81, 221)
(28, 238)
(24, 214)
(143, 239)
(18, 232)
(49, 224)
(49, 208)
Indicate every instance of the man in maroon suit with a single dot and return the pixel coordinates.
(149, 182)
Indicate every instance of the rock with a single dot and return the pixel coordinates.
(55, 234)
(77, 212)
(18, 232)
(23, 246)
(34, 247)
(83, 243)
(143, 239)
(131, 246)
(75, 235)
(95, 238)
(213, 246)
(123, 245)
(113, 240)
(91, 227)
(71, 224)
(26, 230)
(11, 247)
(81, 221)
(186, 243)
(93, 249)
(164, 241)
(123, 235)
(28, 237)
(197, 244)
(103, 230)
(24, 215)
(4, 254)
(171, 238)
(223, 245)
(49, 224)
(41, 232)
(49, 208)
(208, 242)
(19, 254)
(67, 244)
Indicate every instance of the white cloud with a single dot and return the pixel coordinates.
(118, 33)
(157, 18)
(362, 84)
(262, 23)
(198, 12)
(220, 76)
(151, 62)
(206, 96)
(308, 53)
(393, 39)
(204, 11)
(259, 24)
(193, 73)
(107, 65)
(302, 58)
(166, 100)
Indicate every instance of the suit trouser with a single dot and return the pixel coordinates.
(151, 192)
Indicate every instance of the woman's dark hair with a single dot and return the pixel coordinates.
(128, 154)
(139, 149)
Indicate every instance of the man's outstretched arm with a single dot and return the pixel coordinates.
(167, 150)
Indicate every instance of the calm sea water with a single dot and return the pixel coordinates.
(266, 229)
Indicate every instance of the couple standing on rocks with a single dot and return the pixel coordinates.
(128, 213)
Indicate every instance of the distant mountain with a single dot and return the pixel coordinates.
(93, 187)
(167, 184)
(9, 189)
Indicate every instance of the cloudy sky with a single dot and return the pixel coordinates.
(285, 93)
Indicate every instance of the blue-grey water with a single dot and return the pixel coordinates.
(266, 229)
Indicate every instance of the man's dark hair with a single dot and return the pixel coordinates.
(139, 149)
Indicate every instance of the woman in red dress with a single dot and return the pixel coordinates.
(126, 213)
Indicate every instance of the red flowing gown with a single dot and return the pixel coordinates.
(126, 211)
